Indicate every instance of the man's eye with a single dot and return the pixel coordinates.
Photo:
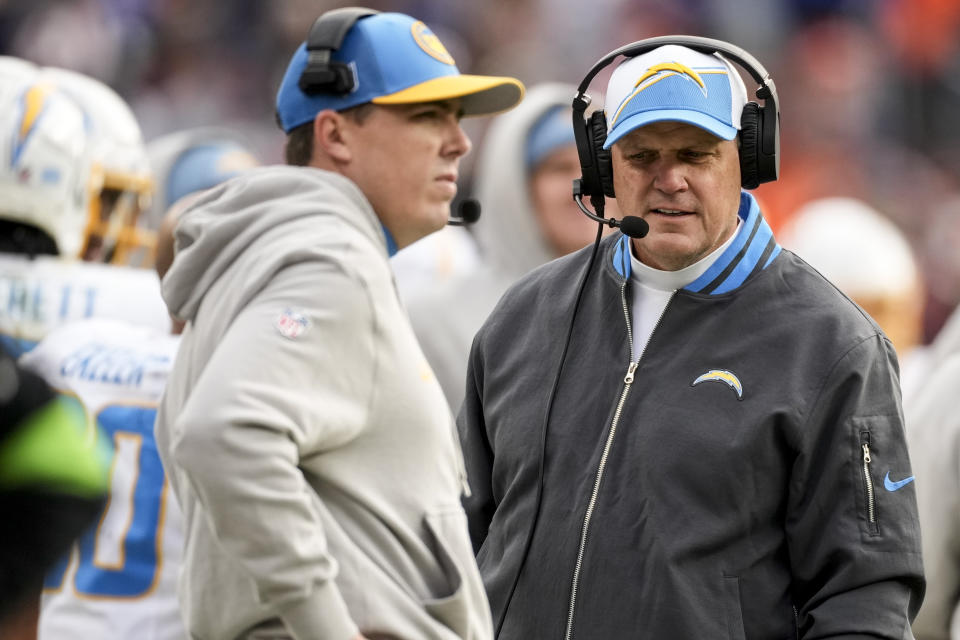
(695, 155)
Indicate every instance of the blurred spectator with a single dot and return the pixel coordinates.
(525, 172)
(932, 415)
(434, 261)
(192, 160)
(940, 256)
(833, 80)
(864, 254)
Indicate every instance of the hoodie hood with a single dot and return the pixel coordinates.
(258, 223)
(508, 233)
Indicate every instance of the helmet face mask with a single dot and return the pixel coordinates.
(113, 234)
(121, 176)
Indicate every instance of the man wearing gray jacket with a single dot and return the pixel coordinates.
(304, 434)
(687, 432)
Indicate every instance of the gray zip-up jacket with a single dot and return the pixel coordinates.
(306, 439)
(745, 478)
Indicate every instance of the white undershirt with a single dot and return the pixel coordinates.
(652, 289)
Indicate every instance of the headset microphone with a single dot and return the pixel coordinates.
(632, 226)
(468, 212)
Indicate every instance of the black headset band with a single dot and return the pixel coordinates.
(321, 74)
(759, 125)
(709, 46)
(329, 30)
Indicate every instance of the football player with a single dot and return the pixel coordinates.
(65, 211)
(119, 581)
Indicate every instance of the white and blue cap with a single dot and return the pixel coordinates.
(676, 84)
(395, 59)
(192, 160)
(206, 165)
(550, 132)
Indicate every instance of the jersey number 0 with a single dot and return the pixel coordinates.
(120, 557)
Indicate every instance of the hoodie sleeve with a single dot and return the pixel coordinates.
(852, 524)
(291, 376)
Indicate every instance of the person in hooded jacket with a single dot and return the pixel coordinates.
(527, 164)
(933, 433)
(303, 433)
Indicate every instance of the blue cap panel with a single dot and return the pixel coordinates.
(677, 97)
(388, 52)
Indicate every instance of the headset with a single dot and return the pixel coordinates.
(321, 75)
(759, 125)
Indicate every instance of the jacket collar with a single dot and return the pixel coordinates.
(752, 250)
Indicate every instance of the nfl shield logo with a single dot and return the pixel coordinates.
(292, 324)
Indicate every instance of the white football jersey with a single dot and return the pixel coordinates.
(40, 294)
(119, 581)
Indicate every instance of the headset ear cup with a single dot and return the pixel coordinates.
(598, 135)
(750, 146)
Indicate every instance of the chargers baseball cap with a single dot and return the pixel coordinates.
(674, 83)
(395, 59)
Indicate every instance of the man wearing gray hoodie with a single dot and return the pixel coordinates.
(303, 432)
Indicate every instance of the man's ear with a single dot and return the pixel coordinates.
(330, 137)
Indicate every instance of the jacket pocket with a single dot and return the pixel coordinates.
(732, 610)
(452, 547)
(869, 516)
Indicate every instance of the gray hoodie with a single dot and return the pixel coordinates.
(932, 416)
(510, 240)
(302, 430)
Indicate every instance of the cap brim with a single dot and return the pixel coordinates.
(481, 95)
(697, 119)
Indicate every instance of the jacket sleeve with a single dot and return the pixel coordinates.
(852, 523)
(477, 453)
(291, 375)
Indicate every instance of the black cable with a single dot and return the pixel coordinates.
(546, 421)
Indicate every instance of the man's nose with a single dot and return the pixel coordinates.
(458, 143)
(670, 176)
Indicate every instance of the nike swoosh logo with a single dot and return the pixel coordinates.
(890, 485)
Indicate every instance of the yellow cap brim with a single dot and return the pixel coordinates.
(480, 95)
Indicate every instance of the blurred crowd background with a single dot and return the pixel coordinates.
(869, 89)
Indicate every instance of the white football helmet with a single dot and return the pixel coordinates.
(45, 167)
(122, 177)
(12, 68)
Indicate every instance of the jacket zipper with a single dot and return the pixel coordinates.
(868, 481)
(627, 382)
